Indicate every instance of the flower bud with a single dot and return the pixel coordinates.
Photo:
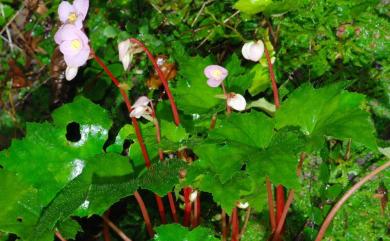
(236, 101)
(193, 196)
(253, 50)
(244, 205)
(71, 72)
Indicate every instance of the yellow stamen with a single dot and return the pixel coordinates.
(217, 73)
(75, 44)
(72, 18)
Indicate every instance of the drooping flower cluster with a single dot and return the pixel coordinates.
(73, 42)
(141, 108)
(215, 76)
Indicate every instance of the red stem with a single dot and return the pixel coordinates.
(279, 188)
(140, 140)
(279, 228)
(161, 209)
(279, 202)
(145, 214)
(162, 78)
(187, 209)
(161, 156)
(235, 225)
(273, 79)
(116, 229)
(173, 208)
(128, 105)
(106, 228)
(187, 206)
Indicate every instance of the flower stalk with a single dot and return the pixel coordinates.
(162, 78)
(279, 188)
(140, 140)
(161, 156)
(235, 225)
(282, 220)
(175, 113)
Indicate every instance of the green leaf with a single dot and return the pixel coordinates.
(260, 81)
(252, 129)
(225, 160)
(279, 161)
(252, 6)
(162, 177)
(239, 79)
(172, 132)
(20, 207)
(57, 160)
(69, 228)
(224, 194)
(110, 32)
(192, 94)
(176, 232)
(103, 184)
(92, 192)
(128, 133)
(328, 112)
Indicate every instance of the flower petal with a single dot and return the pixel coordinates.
(123, 48)
(126, 61)
(82, 8)
(245, 49)
(216, 72)
(142, 101)
(79, 59)
(256, 51)
(237, 102)
(214, 82)
(67, 49)
(137, 112)
(67, 32)
(79, 23)
(71, 72)
(64, 9)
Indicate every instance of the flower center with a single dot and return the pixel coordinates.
(75, 44)
(217, 73)
(72, 17)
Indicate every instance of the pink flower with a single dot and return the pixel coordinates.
(73, 44)
(215, 74)
(73, 13)
(236, 101)
(141, 108)
(253, 50)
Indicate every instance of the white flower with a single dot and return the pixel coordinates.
(71, 72)
(236, 101)
(243, 205)
(126, 51)
(141, 108)
(253, 50)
